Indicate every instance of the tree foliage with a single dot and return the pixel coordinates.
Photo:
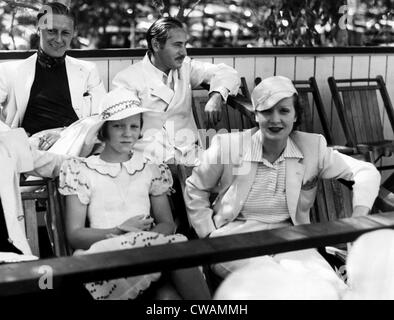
(113, 23)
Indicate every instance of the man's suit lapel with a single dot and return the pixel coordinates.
(24, 78)
(159, 89)
(76, 82)
(156, 86)
(294, 175)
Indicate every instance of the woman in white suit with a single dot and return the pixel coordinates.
(49, 90)
(267, 177)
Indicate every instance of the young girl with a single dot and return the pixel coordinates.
(115, 192)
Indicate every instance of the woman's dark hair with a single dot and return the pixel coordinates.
(159, 30)
(56, 8)
(299, 111)
(102, 134)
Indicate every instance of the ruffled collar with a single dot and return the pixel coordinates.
(136, 164)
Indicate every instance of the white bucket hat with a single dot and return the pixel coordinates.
(270, 91)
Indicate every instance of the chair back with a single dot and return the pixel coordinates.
(44, 191)
(357, 104)
(233, 117)
(312, 107)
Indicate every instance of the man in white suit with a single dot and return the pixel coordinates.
(49, 90)
(164, 79)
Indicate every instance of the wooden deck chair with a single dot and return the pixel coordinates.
(357, 104)
(234, 116)
(47, 193)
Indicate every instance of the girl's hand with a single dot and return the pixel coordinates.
(136, 223)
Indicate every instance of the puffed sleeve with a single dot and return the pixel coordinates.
(161, 180)
(74, 181)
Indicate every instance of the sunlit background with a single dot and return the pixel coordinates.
(231, 23)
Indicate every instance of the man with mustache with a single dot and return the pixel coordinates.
(49, 90)
(163, 81)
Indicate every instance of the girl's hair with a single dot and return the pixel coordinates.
(102, 134)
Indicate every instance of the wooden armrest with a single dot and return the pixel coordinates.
(243, 105)
(345, 150)
(384, 148)
(24, 277)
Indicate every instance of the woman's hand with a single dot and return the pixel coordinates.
(136, 223)
(47, 140)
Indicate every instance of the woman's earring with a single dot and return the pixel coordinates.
(140, 136)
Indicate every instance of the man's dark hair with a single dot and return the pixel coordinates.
(159, 30)
(56, 8)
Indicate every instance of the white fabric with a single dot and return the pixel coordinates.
(224, 170)
(174, 106)
(17, 77)
(17, 157)
(114, 192)
(370, 267)
(299, 275)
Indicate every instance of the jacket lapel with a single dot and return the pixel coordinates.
(26, 69)
(243, 183)
(160, 90)
(294, 175)
(76, 82)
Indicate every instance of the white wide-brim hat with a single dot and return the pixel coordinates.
(79, 138)
(118, 104)
(270, 91)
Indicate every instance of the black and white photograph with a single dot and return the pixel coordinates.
(194, 156)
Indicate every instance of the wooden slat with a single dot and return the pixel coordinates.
(265, 67)
(285, 67)
(23, 277)
(307, 117)
(342, 70)
(358, 117)
(116, 66)
(347, 100)
(366, 117)
(29, 209)
(323, 70)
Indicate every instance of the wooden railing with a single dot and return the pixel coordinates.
(24, 277)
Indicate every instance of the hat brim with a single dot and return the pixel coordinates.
(273, 100)
(128, 112)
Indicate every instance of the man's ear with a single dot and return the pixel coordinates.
(155, 45)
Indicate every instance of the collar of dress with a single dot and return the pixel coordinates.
(136, 164)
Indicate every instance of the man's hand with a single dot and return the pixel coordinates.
(47, 140)
(213, 108)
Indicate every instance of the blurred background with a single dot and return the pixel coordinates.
(210, 23)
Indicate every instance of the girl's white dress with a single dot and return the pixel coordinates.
(113, 193)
